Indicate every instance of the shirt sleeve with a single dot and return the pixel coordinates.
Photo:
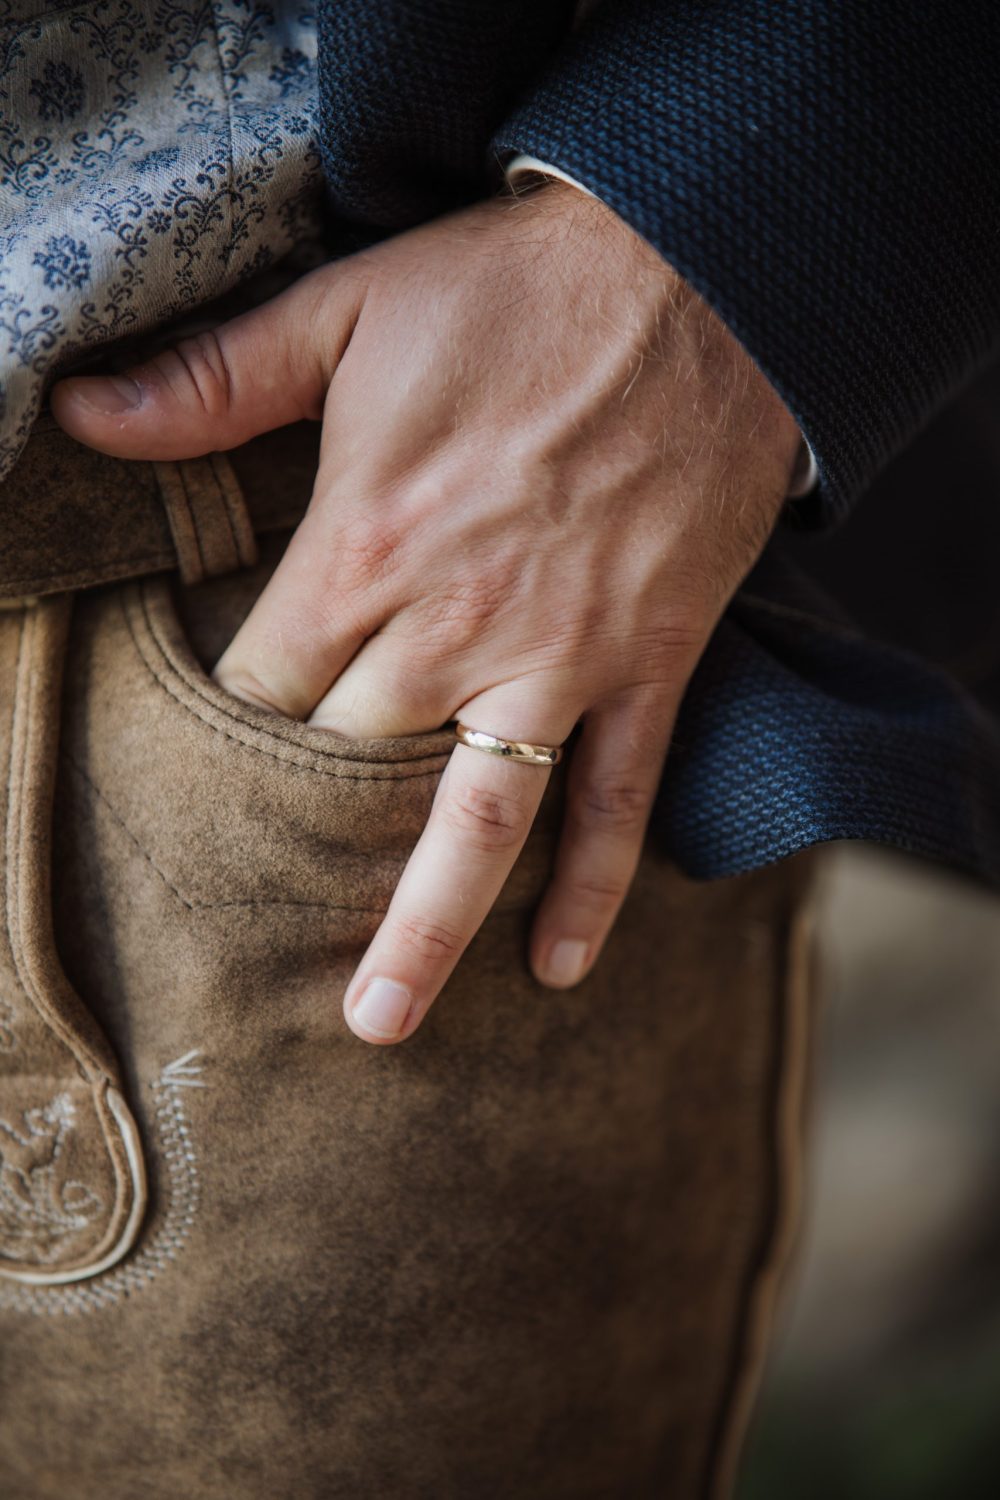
(826, 176)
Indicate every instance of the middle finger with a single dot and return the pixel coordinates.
(400, 682)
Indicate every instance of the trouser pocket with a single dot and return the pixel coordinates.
(514, 1255)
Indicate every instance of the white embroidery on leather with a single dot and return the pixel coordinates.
(182, 1191)
(39, 1209)
(8, 1041)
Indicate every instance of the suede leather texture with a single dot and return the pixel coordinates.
(514, 1256)
(71, 517)
(70, 1179)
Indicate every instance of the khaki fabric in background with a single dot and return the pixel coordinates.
(243, 1256)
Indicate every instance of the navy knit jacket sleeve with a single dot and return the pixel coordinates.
(825, 172)
(410, 91)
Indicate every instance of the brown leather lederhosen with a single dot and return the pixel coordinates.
(530, 1252)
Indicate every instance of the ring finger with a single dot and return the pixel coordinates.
(482, 814)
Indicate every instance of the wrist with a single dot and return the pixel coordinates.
(529, 177)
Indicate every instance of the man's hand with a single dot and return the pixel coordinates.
(545, 468)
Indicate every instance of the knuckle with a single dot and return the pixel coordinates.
(369, 549)
(594, 892)
(612, 806)
(197, 368)
(666, 653)
(427, 938)
(487, 820)
(462, 609)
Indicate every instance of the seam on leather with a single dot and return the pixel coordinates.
(191, 514)
(119, 820)
(383, 770)
(14, 842)
(179, 1152)
(181, 520)
(197, 906)
(112, 1123)
(237, 513)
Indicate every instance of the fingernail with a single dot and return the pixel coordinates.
(567, 961)
(383, 1007)
(109, 394)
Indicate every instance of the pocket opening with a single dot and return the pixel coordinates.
(157, 626)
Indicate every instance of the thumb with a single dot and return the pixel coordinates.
(264, 369)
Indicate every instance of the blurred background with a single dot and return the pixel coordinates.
(884, 1377)
(884, 1380)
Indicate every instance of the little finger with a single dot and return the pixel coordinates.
(613, 776)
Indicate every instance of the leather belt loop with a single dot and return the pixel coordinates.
(72, 518)
(208, 517)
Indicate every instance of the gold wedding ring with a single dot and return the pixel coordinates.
(532, 755)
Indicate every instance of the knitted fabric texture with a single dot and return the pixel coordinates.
(410, 93)
(798, 730)
(828, 177)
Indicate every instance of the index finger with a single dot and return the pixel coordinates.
(481, 816)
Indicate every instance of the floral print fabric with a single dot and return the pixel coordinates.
(153, 154)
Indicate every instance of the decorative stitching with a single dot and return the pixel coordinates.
(286, 760)
(193, 519)
(37, 1210)
(190, 905)
(237, 514)
(8, 1015)
(224, 508)
(183, 1196)
(34, 712)
(65, 755)
(173, 492)
(13, 843)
